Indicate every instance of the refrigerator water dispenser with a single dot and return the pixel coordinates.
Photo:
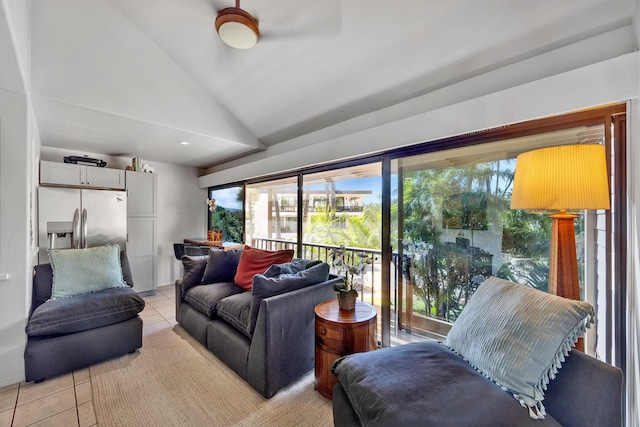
(59, 234)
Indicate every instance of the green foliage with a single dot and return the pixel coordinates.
(227, 221)
(362, 231)
(472, 197)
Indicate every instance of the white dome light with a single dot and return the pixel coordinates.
(237, 28)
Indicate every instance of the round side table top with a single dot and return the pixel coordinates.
(330, 311)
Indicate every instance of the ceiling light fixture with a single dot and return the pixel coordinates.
(184, 143)
(237, 27)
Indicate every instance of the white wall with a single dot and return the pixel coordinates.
(181, 206)
(182, 212)
(16, 188)
(613, 80)
(15, 266)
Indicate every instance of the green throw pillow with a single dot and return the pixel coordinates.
(83, 271)
(518, 337)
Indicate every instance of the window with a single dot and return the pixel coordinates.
(454, 228)
(225, 213)
(442, 211)
(271, 214)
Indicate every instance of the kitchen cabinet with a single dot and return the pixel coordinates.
(141, 251)
(72, 175)
(141, 228)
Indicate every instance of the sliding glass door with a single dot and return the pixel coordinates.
(452, 228)
(436, 220)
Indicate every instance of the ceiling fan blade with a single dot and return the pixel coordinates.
(303, 20)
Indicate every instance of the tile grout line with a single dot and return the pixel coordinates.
(75, 396)
(15, 406)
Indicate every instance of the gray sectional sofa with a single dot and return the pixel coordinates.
(73, 333)
(426, 384)
(266, 334)
(507, 361)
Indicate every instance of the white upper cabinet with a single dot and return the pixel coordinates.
(69, 174)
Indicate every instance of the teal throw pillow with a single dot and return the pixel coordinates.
(518, 337)
(83, 271)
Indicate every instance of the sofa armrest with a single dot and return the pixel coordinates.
(283, 343)
(179, 299)
(586, 391)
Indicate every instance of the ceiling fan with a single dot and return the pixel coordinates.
(237, 28)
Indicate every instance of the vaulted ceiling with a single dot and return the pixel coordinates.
(124, 77)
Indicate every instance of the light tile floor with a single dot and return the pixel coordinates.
(66, 400)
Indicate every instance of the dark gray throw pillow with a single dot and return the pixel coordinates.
(296, 265)
(221, 266)
(265, 287)
(193, 270)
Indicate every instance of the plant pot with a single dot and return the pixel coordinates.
(347, 301)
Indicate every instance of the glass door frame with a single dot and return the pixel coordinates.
(616, 271)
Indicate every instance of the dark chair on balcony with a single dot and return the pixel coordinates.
(196, 250)
(178, 250)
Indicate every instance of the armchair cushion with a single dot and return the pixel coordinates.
(425, 384)
(83, 271)
(84, 312)
(43, 279)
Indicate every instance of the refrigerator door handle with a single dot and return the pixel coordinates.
(84, 228)
(75, 244)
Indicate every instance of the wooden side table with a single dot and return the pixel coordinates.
(339, 333)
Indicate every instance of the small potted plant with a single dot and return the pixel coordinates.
(347, 289)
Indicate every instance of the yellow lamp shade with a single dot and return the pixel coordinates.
(566, 177)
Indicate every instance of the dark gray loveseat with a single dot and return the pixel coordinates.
(73, 333)
(265, 335)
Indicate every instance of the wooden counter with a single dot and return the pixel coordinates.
(201, 241)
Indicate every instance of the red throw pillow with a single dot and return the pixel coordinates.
(256, 261)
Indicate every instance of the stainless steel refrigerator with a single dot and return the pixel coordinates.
(78, 218)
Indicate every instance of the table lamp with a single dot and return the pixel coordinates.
(559, 180)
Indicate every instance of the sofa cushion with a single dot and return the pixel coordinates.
(296, 265)
(256, 261)
(193, 271)
(237, 311)
(221, 265)
(518, 336)
(265, 287)
(84, 312)
(83, 271)
(425, 384)
(205, 297)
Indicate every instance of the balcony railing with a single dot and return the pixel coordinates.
(403, 319)
(320, 209)
(370, 281)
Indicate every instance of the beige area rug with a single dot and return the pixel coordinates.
(174, 381)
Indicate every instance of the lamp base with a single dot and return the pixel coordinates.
(563, 261)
